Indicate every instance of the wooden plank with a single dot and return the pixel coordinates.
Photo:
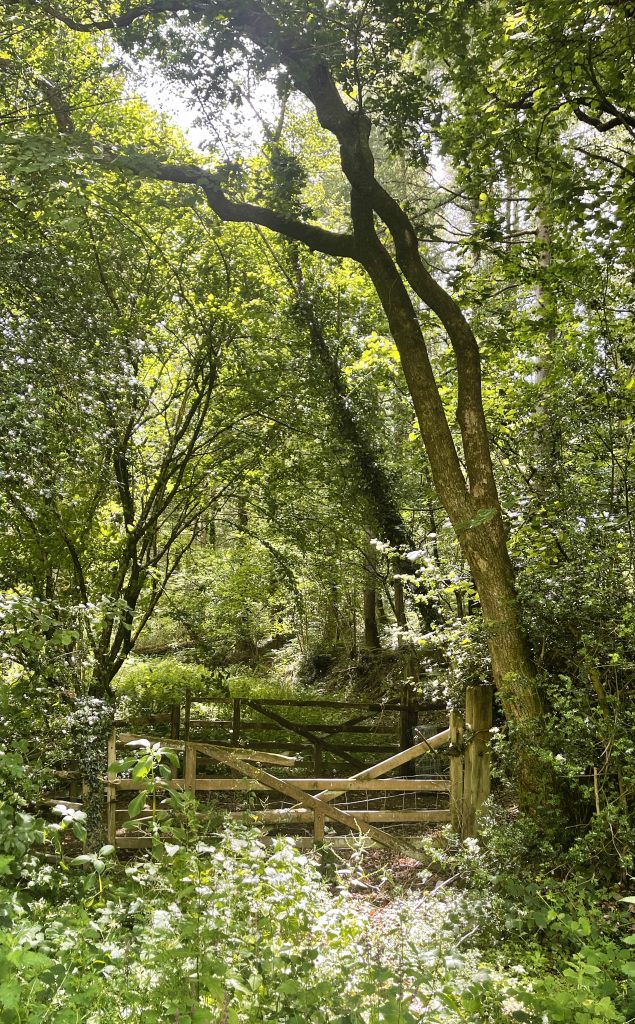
(287, 788)
(318, 825)
(290, 743)
(307, 734)
(245, 754)
(340, 785)
(307, 748)
(457, 729)
(278, 816)
(476, 772)
(74, 805)
(396, 761)
(328, 729)
(351, 705)
(211, 723)
(133, 843)
(265, 757)
(348, 704)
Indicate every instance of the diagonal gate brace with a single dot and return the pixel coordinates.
(318, 807)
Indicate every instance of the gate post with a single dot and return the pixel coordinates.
(189, 769)
(457, 728)
(476, 764)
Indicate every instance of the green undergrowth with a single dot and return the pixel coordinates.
(149, 684)
(222, 929)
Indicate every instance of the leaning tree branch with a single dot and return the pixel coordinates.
(331, 243)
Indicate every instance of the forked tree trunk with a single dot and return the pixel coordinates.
(469, 495)
(513, 670)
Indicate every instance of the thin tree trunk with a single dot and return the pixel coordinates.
(371, 628)
(400, 605)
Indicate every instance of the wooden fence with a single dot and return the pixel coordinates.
(313, 799)
(370, 727)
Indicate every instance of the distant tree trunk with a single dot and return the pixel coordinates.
(400, 605)
(331, 630)
(382, 614)
(371, 628)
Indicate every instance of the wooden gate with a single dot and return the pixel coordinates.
(312, 800)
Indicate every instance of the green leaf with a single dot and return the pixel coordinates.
(137, 803)
(201, 1015)
(484, 515)
(79, 830)
(10, 994)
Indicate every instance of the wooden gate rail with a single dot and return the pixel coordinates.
(243, 753)
(341, 785)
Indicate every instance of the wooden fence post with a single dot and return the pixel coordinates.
(189, 769)
(457, 728)
(476, 768)
(175, 721)
(111, 791)
(236, 721)
(188, 709)
(406, 731)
